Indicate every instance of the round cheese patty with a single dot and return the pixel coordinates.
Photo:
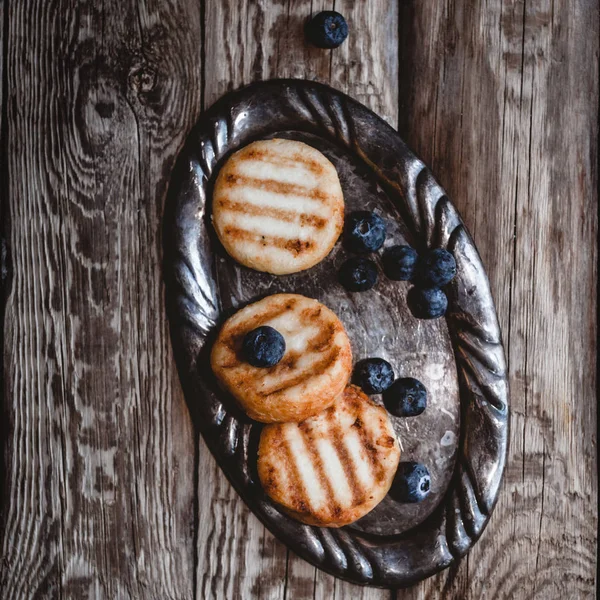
(332, 468)
(314, 370)
(278, 206)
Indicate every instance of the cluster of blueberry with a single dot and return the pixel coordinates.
(404, 397)
(365, 233)
(434, 269)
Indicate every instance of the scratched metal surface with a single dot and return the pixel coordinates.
(459, 359)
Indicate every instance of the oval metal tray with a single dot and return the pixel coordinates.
(461, 437)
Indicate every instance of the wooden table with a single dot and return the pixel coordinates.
(109, 492)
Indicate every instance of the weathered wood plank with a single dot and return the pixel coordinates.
(366, 65)
(4, 255)
(254, 40)
(501, 99)
(104, 481)
(99, 447)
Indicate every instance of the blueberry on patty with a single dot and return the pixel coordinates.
(358, 274)
(412, 482)
(399, 262)
(406, 397)
(374, 375)
(364, 232)
(435, 268)
(263, 347)
(328, 29)
(427, 303)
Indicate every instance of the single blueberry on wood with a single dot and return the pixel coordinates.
(406, 397)
(374, 375)
(435, 268)
(358, 274)
(263, 347)
(412, 482)
(399, 262)
(327, 29)
(427, 303)
(364, 232)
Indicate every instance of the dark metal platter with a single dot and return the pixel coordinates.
(461, 437)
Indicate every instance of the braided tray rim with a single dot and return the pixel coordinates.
(193, 309)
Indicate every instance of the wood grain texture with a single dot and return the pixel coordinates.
(99, 451)
(107, 491)
(506, 98)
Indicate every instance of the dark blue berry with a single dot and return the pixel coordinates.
(328, 29)
(435, 268)
(427, 303)
(406, 397)
(374, 375)
(364, 232)
(263, 347)
(399, 262)
(412, 482)
(358, 274)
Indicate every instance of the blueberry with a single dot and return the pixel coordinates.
(399, 262)
(263, 347)
(406, 397)
(374, 375)
(435, 268)
(358, 274)
(427, 303)
(412, 482)
(328, 29)
(364, 232)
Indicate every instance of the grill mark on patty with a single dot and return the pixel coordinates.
(323, 339)
(358, 493)
(324, 480)
(300, 497)
(311, 313)
(288, 362)
(312, 371)
(372, 453)
(284, 161)
(387, 441)
(234, 337)
(294, 245)
(287, 216)
(317, 344)
(271, 480)
(236, 180)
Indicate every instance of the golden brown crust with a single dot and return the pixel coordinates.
(278, 206)
(333, 468)
(313, 372)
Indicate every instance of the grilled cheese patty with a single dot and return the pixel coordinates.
(333, 468)
(314, 370)
(278, 206)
